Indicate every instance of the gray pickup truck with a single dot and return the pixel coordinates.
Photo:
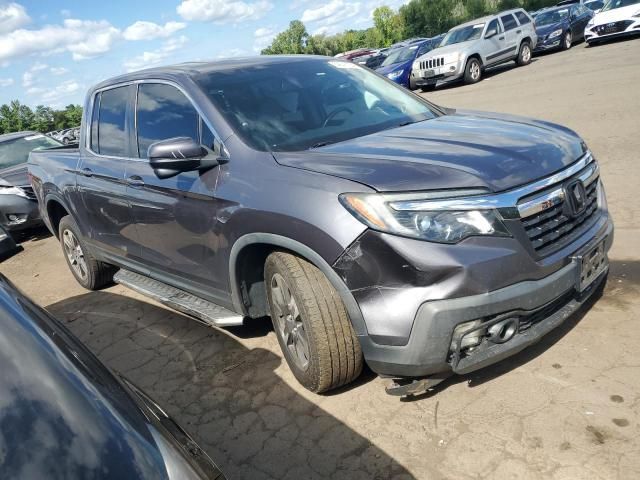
(469, 49)
(369, 224)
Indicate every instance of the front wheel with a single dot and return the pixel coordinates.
(566, 41)
(89, 272)
(473, 71)
(311, 324)
(524, 55)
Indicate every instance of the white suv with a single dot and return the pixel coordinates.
(466, 50)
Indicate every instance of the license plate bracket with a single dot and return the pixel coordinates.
(592, 262)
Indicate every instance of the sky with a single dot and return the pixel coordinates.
(52, 51)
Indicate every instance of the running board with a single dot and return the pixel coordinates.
(184, 302)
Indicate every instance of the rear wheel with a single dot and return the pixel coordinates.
(567, 39)
(524, 54)
(311, 323)
(412, 83)
(89, 272)
(473, 71)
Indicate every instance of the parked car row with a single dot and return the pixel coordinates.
(66, 136)
(467, 50)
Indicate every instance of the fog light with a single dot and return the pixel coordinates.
(469, 334)
(452, 68)
(16, 218)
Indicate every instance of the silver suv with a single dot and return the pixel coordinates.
(468, 49)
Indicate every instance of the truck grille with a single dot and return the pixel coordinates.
(548, 219)
(431, 63)
(613, 27)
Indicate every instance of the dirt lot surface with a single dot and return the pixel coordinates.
(567, 408)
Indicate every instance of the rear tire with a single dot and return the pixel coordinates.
(472, 71)
(524, 54)
(412, 83)
(89, 272)
(311, 324)
(567, 40)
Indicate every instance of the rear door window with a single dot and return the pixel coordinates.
(523, 18)
(509, 22)
(164, 112)
(111, 124)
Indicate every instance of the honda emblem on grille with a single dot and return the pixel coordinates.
(576, 195)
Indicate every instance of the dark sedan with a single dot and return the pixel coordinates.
(18, 204)
(559, 27)
(64, 415)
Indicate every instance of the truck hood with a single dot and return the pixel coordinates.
(440, 51)
(464, 149)
(14, 176)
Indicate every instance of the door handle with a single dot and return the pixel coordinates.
(135, 181)
(86, 172)
(518, 31)
(501, 38)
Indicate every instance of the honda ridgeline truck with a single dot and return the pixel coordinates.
(369, 224)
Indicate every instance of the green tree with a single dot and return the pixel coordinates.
(42, 119)
(430, 17)
(292, 40)
(15, 117)
(388, 26)
(509, 4)
(73, 115)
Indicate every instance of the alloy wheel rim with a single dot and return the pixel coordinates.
(475, 70)
(526, 53)
(288, 322)
(567, 39)
(74, 253)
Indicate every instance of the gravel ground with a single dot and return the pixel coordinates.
(567, 408)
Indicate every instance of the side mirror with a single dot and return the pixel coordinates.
(170, 157)
(491, 33)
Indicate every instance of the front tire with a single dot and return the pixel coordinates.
(311, 324)
(524, 55)
(89, 272)
(567, 40)
(472, 71)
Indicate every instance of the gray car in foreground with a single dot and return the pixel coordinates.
(468, 49)
(368, 223)
(18, 205)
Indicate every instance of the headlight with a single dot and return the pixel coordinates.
(555, 33)
(8, 190)
(403, 215)
(394, 75)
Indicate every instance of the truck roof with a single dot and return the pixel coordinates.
(486, 18)
(195, 68)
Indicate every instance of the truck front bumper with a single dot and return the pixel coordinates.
(429, 77)
(531, 308)
(18, 213)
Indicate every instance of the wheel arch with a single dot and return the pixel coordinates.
(56, 209)
(246, 263)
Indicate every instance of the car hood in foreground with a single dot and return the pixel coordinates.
(465, 149)
(63, 415)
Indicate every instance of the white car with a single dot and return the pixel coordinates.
(617, 18)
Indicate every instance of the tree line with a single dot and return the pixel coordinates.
(418, 18)
(16, 117)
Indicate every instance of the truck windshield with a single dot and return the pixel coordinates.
(299, 104)
(464, 34)
(16, 151)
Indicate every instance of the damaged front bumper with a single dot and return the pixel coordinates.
(423, 298)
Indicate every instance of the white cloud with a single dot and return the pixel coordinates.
(83, 38)
(222, 11)
(38, 66)
(53, 96)
(335, 11)
(65, 13)
(263, 37)
(28, 77)
(156, 57)
(6, 82)
(148, 30)
(12, 16)
(58, 70)
(234, 52)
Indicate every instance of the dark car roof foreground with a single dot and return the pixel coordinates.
(63, 415)
(12, 136)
